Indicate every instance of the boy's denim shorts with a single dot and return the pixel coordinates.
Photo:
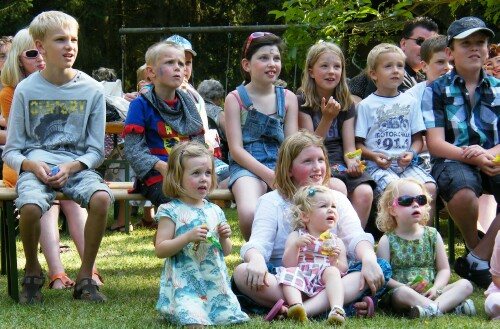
(80, 187)
(452, 177)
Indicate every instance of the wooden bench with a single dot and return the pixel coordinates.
(9, 225)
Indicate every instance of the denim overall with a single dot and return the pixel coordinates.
(261, 135)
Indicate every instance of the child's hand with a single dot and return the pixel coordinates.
(198, 233)
(487, 165)
(40, 169)
(331, 109)
(335, 255)
(472, 151)
(224, 230)
(304, 240)
(431, 293)
(382, 161)
(353, 168)
(420, 286)
(60, 178)
(405, 159)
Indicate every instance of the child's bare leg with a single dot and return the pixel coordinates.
(352, 291)
(94, 230)
(49, 242)
(334, 286)
(405, 297)
(337, 185)
(246, 191)
(432, 190)
(29, 230)
(463, 208)
(492, 306)
(487, 211)
(292, 295)
(453, 294)
(362, 199)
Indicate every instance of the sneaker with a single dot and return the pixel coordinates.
(482, 278)
(466, 308)
(419, 312)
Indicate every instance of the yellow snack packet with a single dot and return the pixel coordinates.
(328, 243)
(497, 158)
(354, 155)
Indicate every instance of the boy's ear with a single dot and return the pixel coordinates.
(372, 75)
(425, 67)
(39, 46)
(149, 72)
(449, 54)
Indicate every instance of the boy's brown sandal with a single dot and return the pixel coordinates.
(32, 289)
(87, 290)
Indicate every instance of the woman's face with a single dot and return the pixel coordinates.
(309, 167)
(31, 61)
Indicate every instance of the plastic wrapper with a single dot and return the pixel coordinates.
(419, 278)
(356, 155)
(329, 243)
(211, 237)
(497, 158)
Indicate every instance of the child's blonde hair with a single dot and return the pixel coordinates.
(303, 203)
(341, 93)
(172, 181)
(154, 52)
(13, 72)
(289, 150)
(385, 221)
(50, 20)
(141, 73)
(380, 49)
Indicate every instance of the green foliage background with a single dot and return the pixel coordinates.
(356, 25)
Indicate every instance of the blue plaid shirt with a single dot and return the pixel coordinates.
(446, 104)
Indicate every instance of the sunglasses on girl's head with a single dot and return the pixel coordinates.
(253, 36)
(31, 53)
(406, 200)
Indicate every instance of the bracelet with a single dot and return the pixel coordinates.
(414, 161)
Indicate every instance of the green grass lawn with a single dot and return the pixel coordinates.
(131, 272)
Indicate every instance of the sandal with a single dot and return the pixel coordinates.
(297, 312)
(32, 289)
(94, 272)
(87, 290)
(336, 316)
(67, 282)
(275, 310)
(150, 225)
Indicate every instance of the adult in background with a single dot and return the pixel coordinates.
(414, 33)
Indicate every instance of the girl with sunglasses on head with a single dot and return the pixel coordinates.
(23, 60)
(420, 269)
(259, 115)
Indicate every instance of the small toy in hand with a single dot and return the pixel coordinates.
(497, 158)
(338, 168)
(329, 243)
(210, 238)
(54, 171)
(357, 156)
(419, 278)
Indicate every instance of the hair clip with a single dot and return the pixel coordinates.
(311, 192)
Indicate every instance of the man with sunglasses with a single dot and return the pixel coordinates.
(415, 32)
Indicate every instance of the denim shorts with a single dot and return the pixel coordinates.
(153, 193)
(267, 154)
(452, 177)
(80, 187)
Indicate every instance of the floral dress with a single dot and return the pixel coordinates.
(194, 284)
(410, 258)
(307, 275)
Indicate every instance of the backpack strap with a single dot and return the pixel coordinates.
(244, 97)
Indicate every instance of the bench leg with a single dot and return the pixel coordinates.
(3, 236)
(12, 274)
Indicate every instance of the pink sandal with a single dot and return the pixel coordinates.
(370, 307)
(275, 310)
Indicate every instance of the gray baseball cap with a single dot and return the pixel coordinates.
(465, 26)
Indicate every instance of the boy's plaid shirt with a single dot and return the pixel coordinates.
(446, 104)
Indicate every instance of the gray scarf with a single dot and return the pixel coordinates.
(184, 118)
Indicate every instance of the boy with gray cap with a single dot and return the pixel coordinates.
(462, 115)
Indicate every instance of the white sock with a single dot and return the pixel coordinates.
(477, 263)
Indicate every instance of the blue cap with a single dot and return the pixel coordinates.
(465, 26)
(184, 43)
